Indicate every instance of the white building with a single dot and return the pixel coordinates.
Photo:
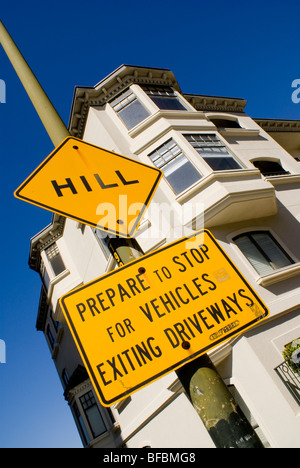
(244, 177)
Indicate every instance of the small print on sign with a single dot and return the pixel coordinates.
(156, 313)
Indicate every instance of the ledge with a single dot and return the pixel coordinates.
(279, 275)
(231, 196)
(251, 132)
(169, 114)
(56, 280)
(216, 176)
(283, 179)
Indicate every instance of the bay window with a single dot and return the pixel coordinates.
(129, 109)
(177, 168)
(213, 151)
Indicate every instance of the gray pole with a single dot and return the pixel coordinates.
(52, 122)
(209, 395)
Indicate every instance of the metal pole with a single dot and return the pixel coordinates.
(221, 415)
(209, 395)
(52, 122)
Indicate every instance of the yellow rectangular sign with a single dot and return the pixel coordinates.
(153, 315)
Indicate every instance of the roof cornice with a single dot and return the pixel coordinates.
(112, 85)
(43, 239)
(278, 125)
(124, 76)
(216, 103)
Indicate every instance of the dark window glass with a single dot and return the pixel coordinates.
(213, 151)
(92, 413)
(50, 336)
(270, 168)
(81, 425)
(164, 97)
(225, 123)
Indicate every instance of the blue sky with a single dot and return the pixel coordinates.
(223, 48)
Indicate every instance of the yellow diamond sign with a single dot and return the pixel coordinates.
(93, 186)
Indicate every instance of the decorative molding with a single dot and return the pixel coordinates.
(277, 125)
(281, 274)
(124, 76)
(215, 103)
(110, 87)
(43, 239)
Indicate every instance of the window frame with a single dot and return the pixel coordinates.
(129, 92)
(281, 172)
(46, 269)
(181, 153)
(50, 337)
(276, 241)
(81, 424)
(170, 94)
(234, 122)
(222, 144)
(89, 396)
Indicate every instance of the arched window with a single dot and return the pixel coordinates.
(269, 168)
(263, 252)
(225, 123)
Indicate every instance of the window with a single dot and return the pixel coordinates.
(44, 275)
(55, 323)
(56, 267)
(164, 97)
(65, 377)
(50, 336)
(269, 168)
(92, 414)
(55, 259)
(129, 109)
(82, 428)
(225, 123)
(177, 169)
(263, 251)
(102, 238)
(213, 151)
